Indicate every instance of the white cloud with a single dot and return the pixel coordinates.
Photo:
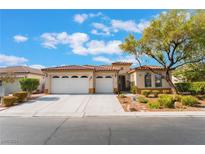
(119, 25)
(95, 47)
(102, 59)
(20, 38)
(129, 25)
(105, 30)
(51, 40)
(11, 60)
(37, 66)
(80, 18)
(80, 43)
(127, 58)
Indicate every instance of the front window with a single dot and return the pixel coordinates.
(148, 80)
(158, 80)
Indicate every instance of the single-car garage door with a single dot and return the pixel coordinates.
(104, 84)
(69, 84)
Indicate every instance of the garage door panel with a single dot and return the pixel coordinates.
(69, 85)
(104, 85)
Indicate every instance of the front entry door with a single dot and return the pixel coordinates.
(122, 83)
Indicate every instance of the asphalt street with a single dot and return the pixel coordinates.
(103, 130)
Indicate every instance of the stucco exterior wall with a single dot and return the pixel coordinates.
(140, 82)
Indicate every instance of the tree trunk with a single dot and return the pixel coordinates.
(168, 79)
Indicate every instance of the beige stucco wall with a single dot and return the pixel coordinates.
(124, 71)
(138, 77)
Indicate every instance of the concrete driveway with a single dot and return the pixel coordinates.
(67, 105)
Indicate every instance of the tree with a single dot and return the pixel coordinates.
(8, 77)
(173, 39)
(29, 84)
(191, 72)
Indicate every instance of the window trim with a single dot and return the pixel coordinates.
(145, 80)
(56, 77)
(155, 77)
(108, 77)
(74, 77)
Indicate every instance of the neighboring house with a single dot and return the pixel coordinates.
(101, 79)
(19, 72)
(149, 78)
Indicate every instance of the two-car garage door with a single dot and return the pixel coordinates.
(69, 84)
(80, 84)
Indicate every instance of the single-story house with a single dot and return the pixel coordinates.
(102, 79)
(19, 72)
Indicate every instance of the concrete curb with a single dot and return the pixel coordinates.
(124, 114)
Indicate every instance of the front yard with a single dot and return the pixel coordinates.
(140, 103)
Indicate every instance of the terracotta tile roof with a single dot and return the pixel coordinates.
(83, 67)
(20, 69)
(69, 67)
(148, 67)
(122, 63)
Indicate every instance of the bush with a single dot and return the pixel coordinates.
(193, 87)
(146, 92)
(177, 98)
(29, 84)
(122, 96)
(166, 101)
(155, 93)
(133, 89)
(142, 99)
(166, 91)
(9, 100)
(189, 100)
(21, 95)
(153, 105)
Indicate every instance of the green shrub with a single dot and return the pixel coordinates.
(122, 96)
(142, 99)
(29, 84)
(193, 87)
(9, 100)
(155, 93)
(166, 101)
(166, 91)
(153, 105)
(146, 92)
(177, 98)
(133, 89)
(22, 95)
(189, 100)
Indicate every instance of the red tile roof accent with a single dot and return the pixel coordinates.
(148, 67)
(20, 69)
(122, 63)
(84, 67)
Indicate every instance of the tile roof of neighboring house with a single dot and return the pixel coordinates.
(20, 69)
(146, 67)
(122, 63)
(83, 67)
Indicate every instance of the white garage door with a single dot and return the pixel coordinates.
(70, 84)
(104, 84)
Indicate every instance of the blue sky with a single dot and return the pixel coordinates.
(43, 38)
